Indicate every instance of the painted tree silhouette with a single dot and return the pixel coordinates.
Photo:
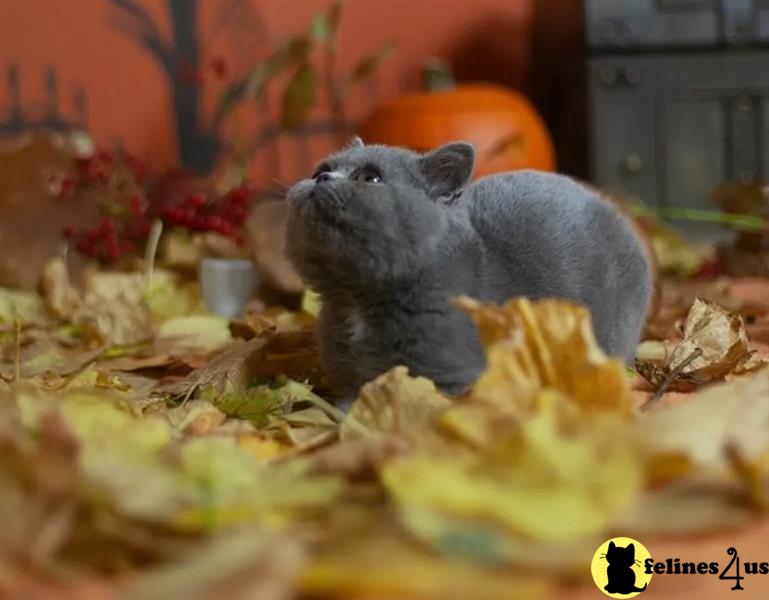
(199, 143)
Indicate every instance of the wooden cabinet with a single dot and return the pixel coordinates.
(683, 106)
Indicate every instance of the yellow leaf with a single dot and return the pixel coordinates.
(25, 306)
(538, 476)
(311, 302)
(169, 296)
(263, 448)
(547, 344)
(193, 335)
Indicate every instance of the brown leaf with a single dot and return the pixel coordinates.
(229, 365)
(714, 345)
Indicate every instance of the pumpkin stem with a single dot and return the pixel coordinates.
(437, 75)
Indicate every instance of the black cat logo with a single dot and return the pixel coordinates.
(620, 570)
(617, 568)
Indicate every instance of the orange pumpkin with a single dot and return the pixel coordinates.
(502, 124)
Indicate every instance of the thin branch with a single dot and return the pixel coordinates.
(138, 24)
(671, 377)
(227, 101)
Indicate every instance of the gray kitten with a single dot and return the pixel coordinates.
(388, 236)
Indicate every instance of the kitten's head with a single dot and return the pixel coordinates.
(621, 556)
(374, 214)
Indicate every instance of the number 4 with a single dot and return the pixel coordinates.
(737, 578)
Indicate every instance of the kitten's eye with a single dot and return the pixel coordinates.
(367, 175)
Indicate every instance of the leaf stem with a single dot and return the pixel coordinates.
(151, 250)
(671, 377)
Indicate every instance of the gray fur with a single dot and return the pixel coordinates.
(388, 256)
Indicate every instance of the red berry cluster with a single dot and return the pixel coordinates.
(197, 212)
(114, 182)
(112, 238)
(97, 170)
(118, 185)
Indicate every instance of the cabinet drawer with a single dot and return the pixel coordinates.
(668, 129)
(629, 24)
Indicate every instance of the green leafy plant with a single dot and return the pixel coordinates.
(295, 56)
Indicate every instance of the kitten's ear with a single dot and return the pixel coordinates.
(448, 168)
(612, 546)
(355, 142)
(631, 547)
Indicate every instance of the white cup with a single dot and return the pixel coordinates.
(228, 284)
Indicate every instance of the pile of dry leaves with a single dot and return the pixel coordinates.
(152, 450)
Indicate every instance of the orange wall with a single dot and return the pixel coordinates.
(128, 97)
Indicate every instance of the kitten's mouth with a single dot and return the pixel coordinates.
(325, 204)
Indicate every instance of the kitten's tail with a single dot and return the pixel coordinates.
(635, 589)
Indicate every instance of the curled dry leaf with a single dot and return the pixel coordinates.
(547, 344)
(720, 335)
(395, 404)
(714, 345)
